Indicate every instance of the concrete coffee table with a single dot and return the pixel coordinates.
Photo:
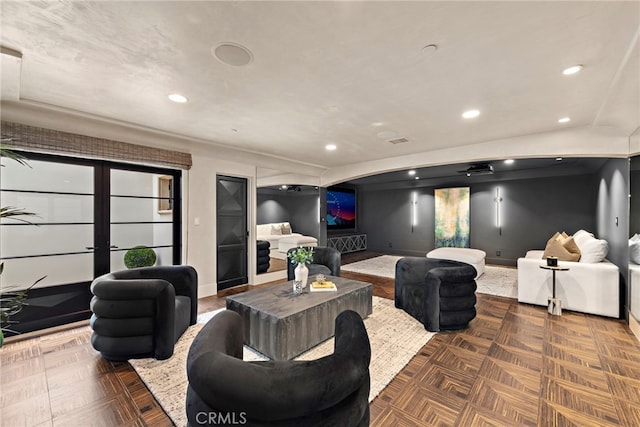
(282, 325)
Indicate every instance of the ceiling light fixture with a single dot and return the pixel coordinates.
(417, 177)
(564, 120)
(176, 97)
(509, 162)
(412, 172)
(232, 54)
(572, 70)
(330, 147)
(479, 169)
(471, 114)
(559, 159)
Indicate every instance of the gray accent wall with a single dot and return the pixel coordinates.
(532, 210)
(300, 209)
(612, 216)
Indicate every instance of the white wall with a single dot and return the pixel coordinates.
(200, 207)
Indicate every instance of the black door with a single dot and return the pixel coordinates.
(89, 214)
(231, 212)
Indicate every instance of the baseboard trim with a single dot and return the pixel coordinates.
(207, 290)
(634, 325)
(41, 332)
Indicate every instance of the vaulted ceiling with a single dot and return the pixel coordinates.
(353, 74)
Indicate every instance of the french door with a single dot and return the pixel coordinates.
(89, 213)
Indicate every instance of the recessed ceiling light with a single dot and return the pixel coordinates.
(572, 70)
(559, 159)
(417, 177)
(430, 48)
(412, 172)
(176, 97)
(284, 187)
(330, 147)
(564, 120)
(232, 54)
(509, 162)
(471, 114)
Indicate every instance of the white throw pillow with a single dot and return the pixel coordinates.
(276, 230)
(286, 228)
(581, 237)
(594, 250)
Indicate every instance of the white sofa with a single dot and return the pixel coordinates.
(586, 287)
(272, 233)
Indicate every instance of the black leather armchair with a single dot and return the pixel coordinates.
(325, 261)
(330, 391)
(142, 312)
(437, 292)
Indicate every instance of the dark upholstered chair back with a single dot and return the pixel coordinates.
(143, 311)
(439, 293)
(325, 261)
(330, 391)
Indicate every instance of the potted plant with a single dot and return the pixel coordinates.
(301, 257)
(140, 256)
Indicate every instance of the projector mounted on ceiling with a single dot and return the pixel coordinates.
(479, 169)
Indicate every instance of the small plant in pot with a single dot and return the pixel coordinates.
(140, 256)
(301, 257)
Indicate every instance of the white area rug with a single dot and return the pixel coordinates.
(500, 281)
(384, 266)
(395, 338)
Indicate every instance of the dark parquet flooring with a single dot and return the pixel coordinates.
(515, 365)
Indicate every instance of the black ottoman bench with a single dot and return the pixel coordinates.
(263, 248)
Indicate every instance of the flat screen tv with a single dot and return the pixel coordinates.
(341, 208)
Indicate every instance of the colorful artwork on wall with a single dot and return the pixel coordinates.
(452, 217)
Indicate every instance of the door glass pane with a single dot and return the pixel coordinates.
(132, 209)
(47, 176)
(25, 240)
(51, 207)
(126, 236)
(61, 196)
(141, 214)
(63, 269)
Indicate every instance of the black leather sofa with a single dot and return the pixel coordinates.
(439, 293)
(142, 312)
(325, 261)
(330, 391)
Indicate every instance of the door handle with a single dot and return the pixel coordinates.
(93, 248)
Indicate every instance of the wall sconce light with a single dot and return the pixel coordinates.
(414, 209)
(498, 200)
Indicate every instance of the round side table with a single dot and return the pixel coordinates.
(554, 304)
